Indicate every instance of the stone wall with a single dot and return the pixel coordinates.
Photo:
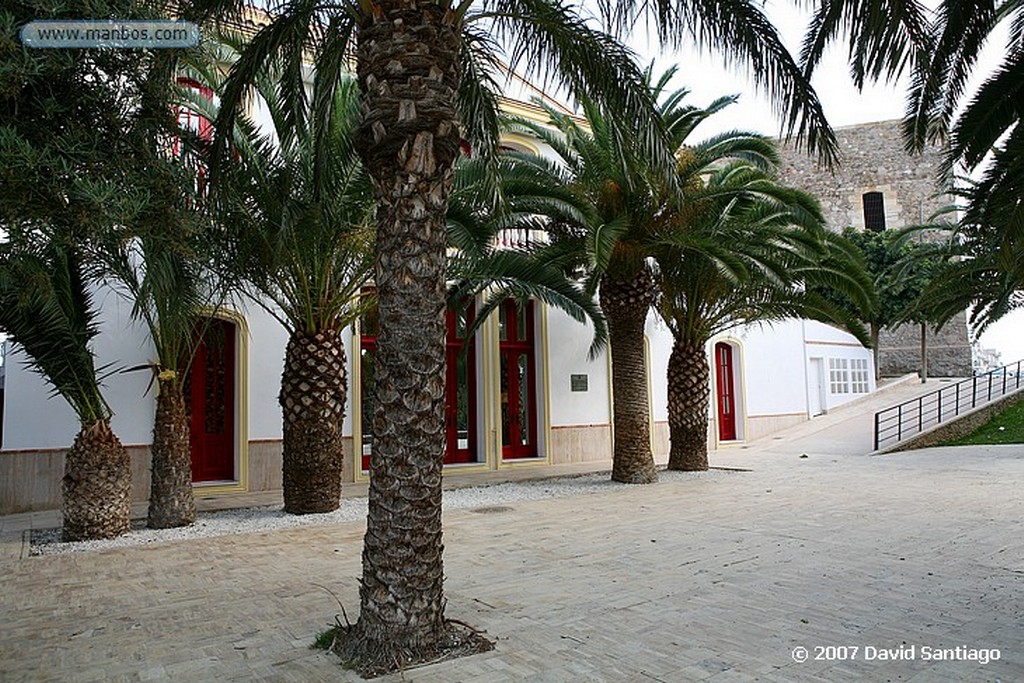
(948, 350)
(872, 159)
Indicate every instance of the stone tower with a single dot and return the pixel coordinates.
(879, 186)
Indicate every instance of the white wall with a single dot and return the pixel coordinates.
(825, 342)
(771, 363)
(267, 341)
(568, 342)
(34, 419)
(660, 345)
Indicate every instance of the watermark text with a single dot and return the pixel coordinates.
(106, 33)
(903, 652)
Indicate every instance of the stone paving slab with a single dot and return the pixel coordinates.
(715, 579)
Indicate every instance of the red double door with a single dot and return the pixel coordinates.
(518, 381)
(518, 385)
(210, 401)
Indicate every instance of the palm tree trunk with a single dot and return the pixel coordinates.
(313, 391)
(625, 303)
(688, 394)
(171, 503)
(97, 485)
(407, 65)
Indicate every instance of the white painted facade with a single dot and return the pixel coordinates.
(773, 374)
(782, 373)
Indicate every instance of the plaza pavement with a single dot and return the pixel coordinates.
(719, 578)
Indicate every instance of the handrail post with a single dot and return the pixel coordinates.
(990, 386)
(1003, 393)
(974, 391)
(877, 435)
(956, 408)
(899, 423)
(938, 417)
(920, 415)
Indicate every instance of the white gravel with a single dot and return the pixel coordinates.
(269, 518)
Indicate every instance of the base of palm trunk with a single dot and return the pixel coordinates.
(689, 451)
(312, 459)
(638, 469)
(688, 396)
(171, 503)
(97, 486)
(371, 657)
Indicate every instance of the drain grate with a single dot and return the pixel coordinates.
(492, 509)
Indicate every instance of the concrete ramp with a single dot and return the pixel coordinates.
(846, 430)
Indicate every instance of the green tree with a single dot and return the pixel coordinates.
(900, 273)
(974, 266)
(426, 73)
(67, 147)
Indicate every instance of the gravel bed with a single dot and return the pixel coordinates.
(486, 498)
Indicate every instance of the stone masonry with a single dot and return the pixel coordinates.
(872, 159)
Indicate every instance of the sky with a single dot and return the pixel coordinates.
(707, 79)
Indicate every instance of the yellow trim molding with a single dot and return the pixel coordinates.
(241, 484)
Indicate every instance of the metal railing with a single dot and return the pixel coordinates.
(912, 417)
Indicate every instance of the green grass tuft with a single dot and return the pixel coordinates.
(325, 640)
(1004, 427)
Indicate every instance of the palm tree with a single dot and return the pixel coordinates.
(743, 249)
(300, 209)
(627, 201)
(163, 262)
(617, 187)
(46, 307)
(159, 271)
(68, 147)
(426, 73)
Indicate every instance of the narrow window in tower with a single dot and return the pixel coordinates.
(874, 211)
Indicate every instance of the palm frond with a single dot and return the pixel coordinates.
(46, 307)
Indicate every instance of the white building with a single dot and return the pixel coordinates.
(532, 398)
(524, 396)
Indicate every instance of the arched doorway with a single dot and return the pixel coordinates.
(725, 391)
(210, 399)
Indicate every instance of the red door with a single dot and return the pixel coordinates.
(210, 401)
(726, 399)
(518, 382)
